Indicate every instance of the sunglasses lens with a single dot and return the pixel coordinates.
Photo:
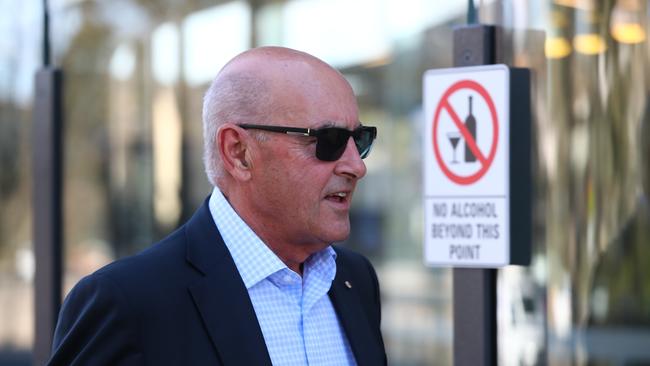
(363, 139)
(331, 143)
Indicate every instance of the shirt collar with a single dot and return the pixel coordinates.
(254, 260)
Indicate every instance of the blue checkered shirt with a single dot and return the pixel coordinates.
(298, 321)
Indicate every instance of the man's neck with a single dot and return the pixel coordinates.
(293, 255)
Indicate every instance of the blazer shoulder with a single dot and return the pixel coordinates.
(167, 255)
(80, 338)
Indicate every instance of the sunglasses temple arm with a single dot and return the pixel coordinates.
(308, 133)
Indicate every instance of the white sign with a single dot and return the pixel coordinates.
(466, 166)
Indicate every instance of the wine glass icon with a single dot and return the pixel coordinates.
(454, 138)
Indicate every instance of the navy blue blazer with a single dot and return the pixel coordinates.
(183, 302)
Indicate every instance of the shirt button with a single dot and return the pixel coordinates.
(287, 279)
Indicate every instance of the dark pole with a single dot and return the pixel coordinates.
(475, 330)
(46, 34)
(472, 16)
(47, 198)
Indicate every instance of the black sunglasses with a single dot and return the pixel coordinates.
(330, 141)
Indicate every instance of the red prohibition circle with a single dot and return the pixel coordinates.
(444, 101)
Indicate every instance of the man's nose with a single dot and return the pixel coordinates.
(350, 164)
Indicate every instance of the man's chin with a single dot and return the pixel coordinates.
(340, 235)
(334, 227)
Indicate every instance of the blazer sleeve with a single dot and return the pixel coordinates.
(96, 327)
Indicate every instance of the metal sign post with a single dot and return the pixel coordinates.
(475, 327)
(47, 208)
(47, 199)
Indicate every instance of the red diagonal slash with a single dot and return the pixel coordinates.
(469, 139)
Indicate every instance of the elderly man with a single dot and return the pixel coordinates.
(251, 278)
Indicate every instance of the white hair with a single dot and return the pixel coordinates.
(234, 98)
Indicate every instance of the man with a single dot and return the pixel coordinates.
(251, 278)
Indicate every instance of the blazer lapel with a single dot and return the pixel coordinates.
(348, 306)
(221, 297)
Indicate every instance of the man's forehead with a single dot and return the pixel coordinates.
(316, 105)
(298, 88)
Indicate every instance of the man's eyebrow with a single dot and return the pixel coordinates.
(326, 124)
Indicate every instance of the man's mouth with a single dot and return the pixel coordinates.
(338, 197)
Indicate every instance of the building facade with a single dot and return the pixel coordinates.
(134, 75)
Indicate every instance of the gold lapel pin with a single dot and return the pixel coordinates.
(348, 284)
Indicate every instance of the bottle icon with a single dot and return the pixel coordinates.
(470, 124)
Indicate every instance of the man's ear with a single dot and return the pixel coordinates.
(233, 143)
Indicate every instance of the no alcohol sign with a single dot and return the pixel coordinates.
(468, 146)
(463, 172)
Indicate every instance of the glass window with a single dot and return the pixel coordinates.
(133, 93)
(584, 300)
(19, 59)
(135, 73)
